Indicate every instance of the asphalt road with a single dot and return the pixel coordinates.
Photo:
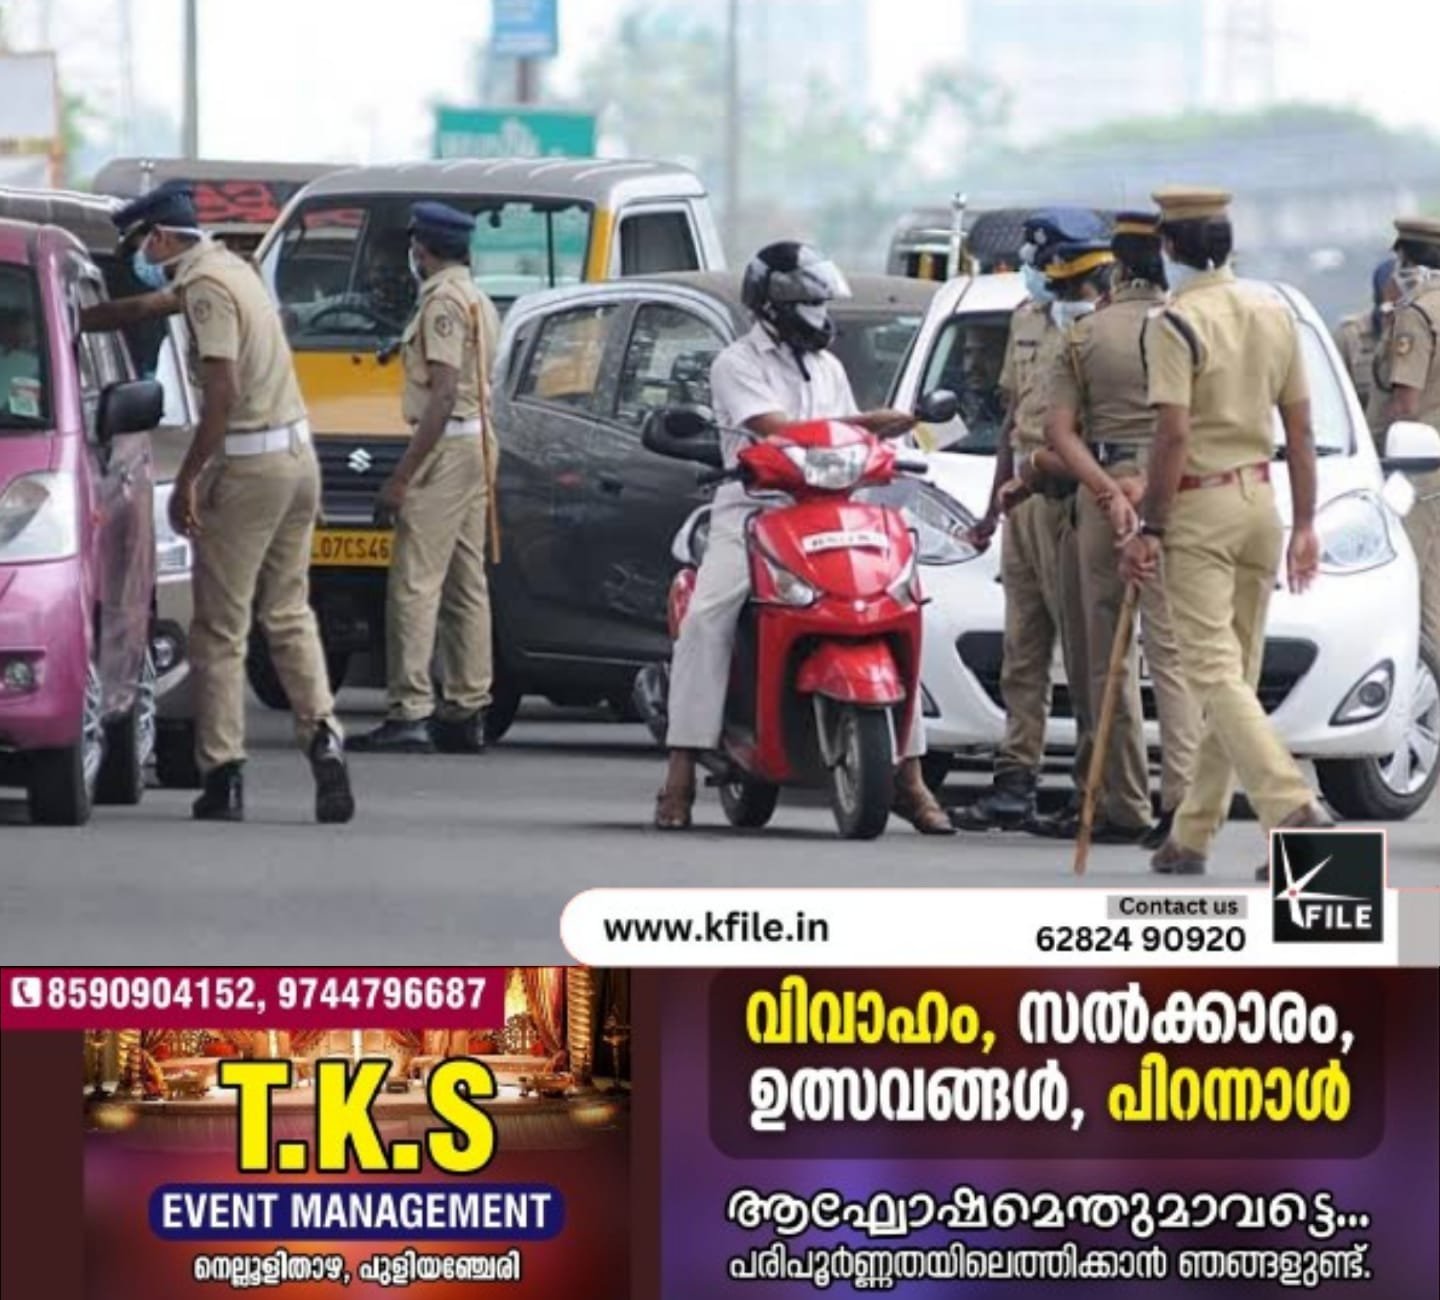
(470, 860)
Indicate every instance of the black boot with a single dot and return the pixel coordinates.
(222, 796)
(334, 801)
(459, 735)
(396, 737)
(1160, 831)
(1008, 803)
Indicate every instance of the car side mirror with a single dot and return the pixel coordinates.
(938, 407)
(682, 433)
(132, 407)
(1411, 447)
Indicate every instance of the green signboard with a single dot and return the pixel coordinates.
(513, 133)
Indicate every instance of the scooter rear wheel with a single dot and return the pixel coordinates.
(862, 782)
(749, 804)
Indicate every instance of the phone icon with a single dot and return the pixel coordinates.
(25, 992)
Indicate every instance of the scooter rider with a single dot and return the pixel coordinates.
(776, 374)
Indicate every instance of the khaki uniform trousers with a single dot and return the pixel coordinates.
(1222, 552)
(1040, 572)
(1124, 796)
(252, 557)
(700, 666)
(1422, 526)
(437, 581)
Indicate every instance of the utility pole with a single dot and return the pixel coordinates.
(732, 128)
(525, 80)
(190, 128)
(127, 77)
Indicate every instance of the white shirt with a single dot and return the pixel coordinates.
(755, 375)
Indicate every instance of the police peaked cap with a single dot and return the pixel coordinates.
(171, 204)
(440, 224)
(1047, 227)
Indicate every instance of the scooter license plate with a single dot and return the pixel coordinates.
(846, 539)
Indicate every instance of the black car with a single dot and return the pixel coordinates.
(587, 514)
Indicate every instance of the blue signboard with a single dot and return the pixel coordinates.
(524, 29)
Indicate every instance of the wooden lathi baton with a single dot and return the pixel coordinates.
(1114, 679)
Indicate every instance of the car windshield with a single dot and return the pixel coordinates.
(24, 394)
(970, 349)
(342, 273)
(873, 345)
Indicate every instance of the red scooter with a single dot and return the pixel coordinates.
(824, 678)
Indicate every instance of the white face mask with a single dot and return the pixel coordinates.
(1178, 274)
(1065, 314)
(1411, 279)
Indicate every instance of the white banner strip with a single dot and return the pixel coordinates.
(974, 927)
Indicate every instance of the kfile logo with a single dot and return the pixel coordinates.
(1328, 886)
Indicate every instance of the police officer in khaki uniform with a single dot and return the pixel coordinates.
(1098, 387)
(1359, 337)
(440, 497)
(247, 494)
(1037, 561)
(1221, 358)
(1410, 371)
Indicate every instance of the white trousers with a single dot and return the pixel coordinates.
(700, 668)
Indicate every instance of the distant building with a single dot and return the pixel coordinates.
(1068, 67)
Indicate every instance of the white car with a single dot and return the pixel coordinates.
(1344, 676)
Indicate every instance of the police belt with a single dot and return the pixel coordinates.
(257, 442)
(1115, 453)
(1056, 489)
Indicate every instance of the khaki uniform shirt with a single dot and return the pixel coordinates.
(442, 330)
(1357, 339)
(1412, 358)
(231, 317)
(1033, 340)
(1245, 360)
(1100, 371)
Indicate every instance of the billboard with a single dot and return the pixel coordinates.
(30, 130)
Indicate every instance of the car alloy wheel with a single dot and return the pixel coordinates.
(1409, 768)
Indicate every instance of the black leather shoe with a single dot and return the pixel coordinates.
(1007, 805)
(396, 737)
(459, 735)
(1159, 832)
(334, 800)
(222, 795)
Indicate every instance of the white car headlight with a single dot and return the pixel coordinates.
(1353, 534)
(172, 552)
(939, 521)
(38, 518)
(831, 469)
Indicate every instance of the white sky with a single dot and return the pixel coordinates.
(353, 79)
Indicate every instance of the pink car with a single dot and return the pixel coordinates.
(77, 538)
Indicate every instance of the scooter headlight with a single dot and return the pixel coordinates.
(38, 518)
(172, 552)
(907, 586)
(787, 588)
(1353, 534)
(831, 469)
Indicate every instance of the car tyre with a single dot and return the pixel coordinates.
(862, 789)
(749, 804)
(265, 681)
(129, 742)
(60, 788)
(176, 767)
(505, 697)
(1399, 785)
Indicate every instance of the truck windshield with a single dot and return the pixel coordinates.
(342, 274)
(24, 394)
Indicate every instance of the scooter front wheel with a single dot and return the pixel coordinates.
(862, 781)
(749, 804)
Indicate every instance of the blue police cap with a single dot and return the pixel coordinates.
(1047, 227)
(170, 204)
(440, 219)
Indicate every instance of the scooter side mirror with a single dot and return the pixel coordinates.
(938, 407)
(682, 433)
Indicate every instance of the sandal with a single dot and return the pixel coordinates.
(920, 809)
(672, 809)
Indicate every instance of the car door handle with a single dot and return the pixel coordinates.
(609, 483)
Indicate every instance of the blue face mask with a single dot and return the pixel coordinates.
(1036, 285)
(1177, 274)
(149, 274)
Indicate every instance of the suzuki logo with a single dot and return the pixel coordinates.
(360, 460)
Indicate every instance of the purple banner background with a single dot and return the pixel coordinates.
(1389, 1169)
